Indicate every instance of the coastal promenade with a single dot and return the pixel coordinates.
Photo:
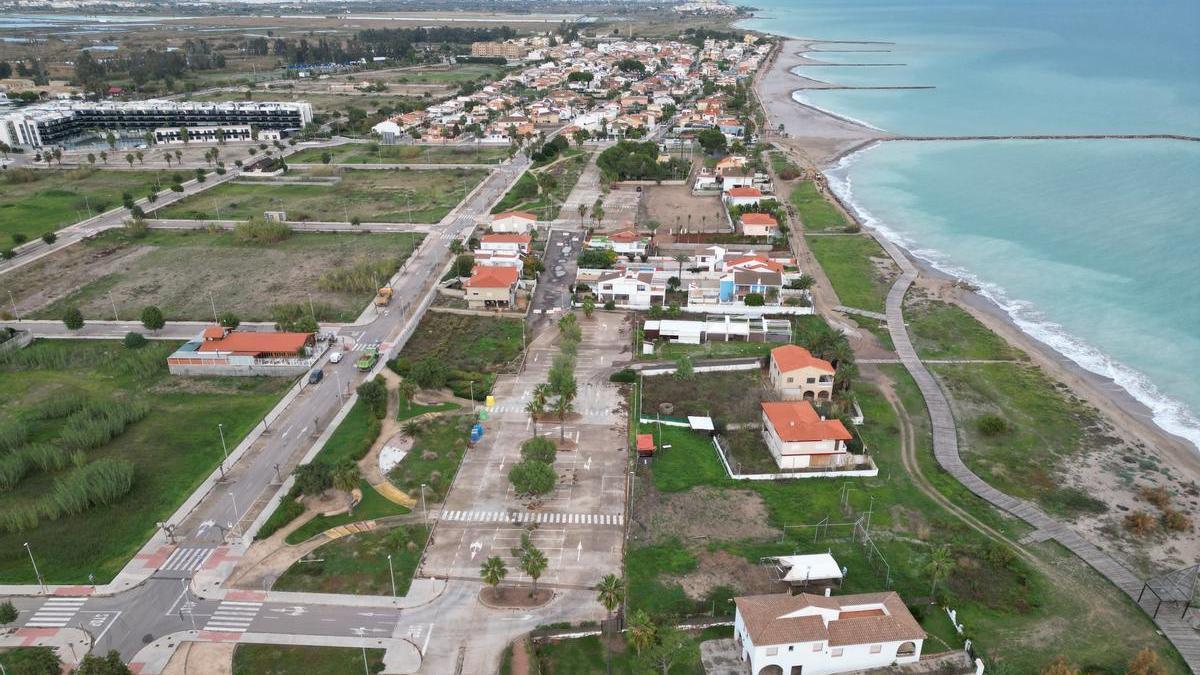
(945, 450)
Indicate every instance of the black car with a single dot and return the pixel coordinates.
(315, 376)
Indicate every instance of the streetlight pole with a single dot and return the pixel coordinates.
(224, 448)
(41, 583)
(214, 306)
(424, 513)
(392, 573)
(14, 305)
(116, 317)
(366, 669)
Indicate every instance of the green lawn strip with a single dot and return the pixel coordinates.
(408, 411)
(252, 659)
(57, 198)
(373, 153)
(847, 261)
(781, 164)
(1044, 429)
(524, 195)
(372, 195)
(173, 449)
(815, 211)
(434, 458)
(358, 564)
(372, 507)
(941, 330)
(716, 349)
(245, 279)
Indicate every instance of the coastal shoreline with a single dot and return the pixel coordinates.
(826, 141)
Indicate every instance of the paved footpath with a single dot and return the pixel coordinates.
(945, 450)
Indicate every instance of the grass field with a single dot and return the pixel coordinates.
(173, 448)
(849, 262)
(709, 350)
(727, 397)
(816, 213)
(177, 270)
(940, 330)
(1007, 605)
(358, 564)
(471, 348)
(376, 195)
(526, 196)
(436, 453)
(250, 659)
(588, 655)
(374, 153)
(59, 198)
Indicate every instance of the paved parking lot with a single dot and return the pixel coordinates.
(580, 525)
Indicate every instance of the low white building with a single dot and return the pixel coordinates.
(508, 243)
(784, 634)
(625, 242)
(634, 290)
(513, 222)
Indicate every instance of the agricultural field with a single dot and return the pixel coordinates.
(358, 564)
(178, 270)
(545, 200)
(36, 201)
(461, 352)
(251, 659)
(858, 268)
(374, 153)
(102, 437)
(383, 196)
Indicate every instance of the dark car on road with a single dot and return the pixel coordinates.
(315, 376)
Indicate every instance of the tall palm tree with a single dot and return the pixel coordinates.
(582, 213)
(407, 389)
(680, 258)
(167, 156)
(610, 592)
(939, 566)
(533, 409)
(563, 406)
(345, 478)
(493, 571)
(534, 563)
(642, 631)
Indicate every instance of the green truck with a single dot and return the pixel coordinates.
(368, 359)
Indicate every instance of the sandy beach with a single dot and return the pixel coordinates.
(821, 138)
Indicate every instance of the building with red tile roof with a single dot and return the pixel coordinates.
(796, 374)
(220, 351)
(800, 439)
(492, 287)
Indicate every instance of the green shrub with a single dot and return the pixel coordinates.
(289, 510)
(623, 376)
(134, 340)
(374, 394)
(429, 373)
(532, 477)
(61, 405)
(313, 478)
(991, 425)
(361, 277)
(73, 318)
(539, 449)
(46, 457)
(261, 232)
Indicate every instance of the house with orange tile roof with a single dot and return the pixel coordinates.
(221, 351)
(787, 634)
(758, 224)
(744, 196)
(514, 243)
(798, 375)
(800, 439)
(492, 287)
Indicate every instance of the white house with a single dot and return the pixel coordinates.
(799, 439)
(784, 634)
(511, 243)
(498, 259)
(797, 374)
(622, 243)
(513, 222)
(637, 290)
(744, 196)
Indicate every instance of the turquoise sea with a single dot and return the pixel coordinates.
(1091, 246)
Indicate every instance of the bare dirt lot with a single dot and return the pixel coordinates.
(674, 207)
(177, 270)
(700, 514)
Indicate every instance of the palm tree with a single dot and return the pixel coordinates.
(610, 592)
(939, 566)
(533, 563)
(680, 258)
(407, 389)
(345, 478)
(533, 408)
(642, 631)
(104, 156)
(129, 158)
(563, 407)
(58, 156)
(139, 156)
(178, 155)
(167, 156)
(582, 212)
(493, 572)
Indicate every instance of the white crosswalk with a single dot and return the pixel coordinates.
(547, 517)
(56, 613)
(186, 559)
(513, 408)
(233, 617)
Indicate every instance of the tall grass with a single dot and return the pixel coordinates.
(99, 423)
(59, 406)
(17, 464)
(13, 468)
(13, 434)
(363, 276)
(99, 483)
(261, 232)
(114, 360)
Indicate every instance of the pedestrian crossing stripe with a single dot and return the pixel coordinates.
(56, 612)
(186, 559)
(233, 617)
(545, 517)
(590, 412)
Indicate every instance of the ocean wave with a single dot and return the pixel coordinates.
(1168, 413)
(799, 97)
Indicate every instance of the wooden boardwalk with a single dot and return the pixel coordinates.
(945, 450)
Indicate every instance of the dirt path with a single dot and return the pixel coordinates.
(202, 658)
(520, 657)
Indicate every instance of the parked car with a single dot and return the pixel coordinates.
(315, 376)
(336, 357)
